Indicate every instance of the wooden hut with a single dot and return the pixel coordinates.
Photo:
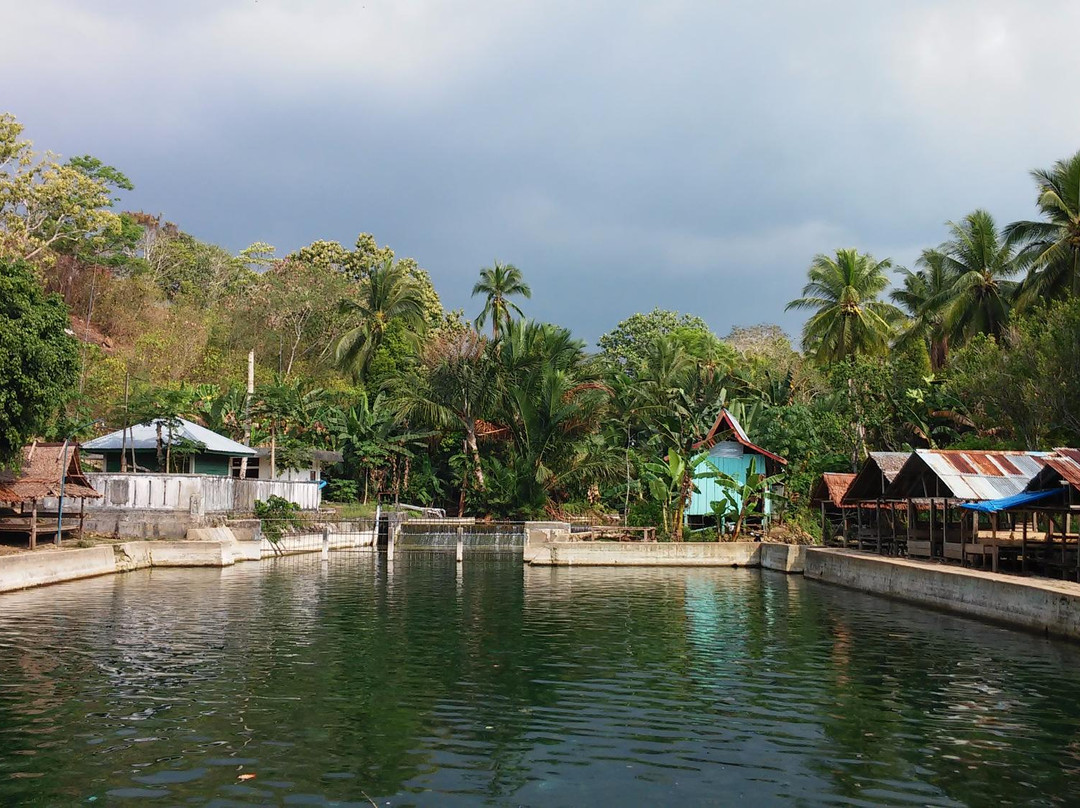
(941, 480)
(877, 525)
(1042, 530)
(828, 496)
(730, 450)
(50, 471)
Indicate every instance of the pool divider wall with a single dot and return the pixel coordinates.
(782, 557)
(1051, 607)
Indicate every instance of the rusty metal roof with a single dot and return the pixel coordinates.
(1062, 465)
(727, 425)
(831, 488)
(969, 475)
(41, 475)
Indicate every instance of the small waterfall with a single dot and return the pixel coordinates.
(443, 535)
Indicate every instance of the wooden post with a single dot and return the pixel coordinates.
(33, 524)
(82, 515)
(1023, 545)
(824, 533)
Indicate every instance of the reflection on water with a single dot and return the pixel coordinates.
(432, 683)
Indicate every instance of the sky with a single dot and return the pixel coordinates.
(687, 155)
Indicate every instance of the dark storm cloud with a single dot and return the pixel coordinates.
(688, 155)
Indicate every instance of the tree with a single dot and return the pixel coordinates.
(679, 399)
(626, 346)
(453, 388)
(980, 262)
(43, 201)
(39, 362)
(848, 317)
(1051, 248)
(550, 403)
(290, 310)
(387, 294)
(923, 296)
(498, 283)
(367, 256)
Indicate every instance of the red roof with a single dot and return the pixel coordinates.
(727, 428)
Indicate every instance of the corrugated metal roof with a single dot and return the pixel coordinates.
(144, 436)
(739, 434)
(1062, 465)
(1066, 462)
(970, 475)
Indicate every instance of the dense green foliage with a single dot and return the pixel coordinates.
(977, 345)
(39, 362)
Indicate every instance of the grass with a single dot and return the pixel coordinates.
(352, 510)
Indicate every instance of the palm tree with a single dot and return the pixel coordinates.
(388, 294)
(922, 296)
(848, 317)
(1051, 248)
(453, 388)
(980, 261)
(678, 398)
(498, 283)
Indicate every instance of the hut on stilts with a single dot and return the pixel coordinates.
(35, 497)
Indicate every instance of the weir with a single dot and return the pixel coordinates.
(447, 534)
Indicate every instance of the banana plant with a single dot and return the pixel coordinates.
(739, 497)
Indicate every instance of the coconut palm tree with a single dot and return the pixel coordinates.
(388, 294)
(848, 317)
(981, 261)
(498, 283)
(1051, 249)
(921, 295)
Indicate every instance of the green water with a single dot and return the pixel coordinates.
(429, 685)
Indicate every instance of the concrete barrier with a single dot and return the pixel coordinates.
(788, 558)
(648, 554)
(25, 570)
(1052, 607)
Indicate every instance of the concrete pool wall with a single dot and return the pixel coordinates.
(1047, 606)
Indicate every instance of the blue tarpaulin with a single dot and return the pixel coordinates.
(1003, 504)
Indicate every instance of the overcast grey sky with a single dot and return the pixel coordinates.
(690, 155)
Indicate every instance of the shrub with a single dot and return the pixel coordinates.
(277, 514)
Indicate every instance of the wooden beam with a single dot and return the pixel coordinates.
(33, 524)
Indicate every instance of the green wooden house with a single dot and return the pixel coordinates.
(732, 451)
(195, 449)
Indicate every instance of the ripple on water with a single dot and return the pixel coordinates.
(426, 684)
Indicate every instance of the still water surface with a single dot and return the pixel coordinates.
(432, 685)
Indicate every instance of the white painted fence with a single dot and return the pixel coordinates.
(195, 493)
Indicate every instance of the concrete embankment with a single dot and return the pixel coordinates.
(204, 547)
(783, 557)
(50, 567)
(1052, 607)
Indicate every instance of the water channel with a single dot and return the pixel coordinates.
(430, 683)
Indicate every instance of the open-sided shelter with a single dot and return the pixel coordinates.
(49, 471)
(828, 497)
(876, 520)
(944, 479)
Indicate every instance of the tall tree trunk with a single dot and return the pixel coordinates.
(474, 452)
(686, 487)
